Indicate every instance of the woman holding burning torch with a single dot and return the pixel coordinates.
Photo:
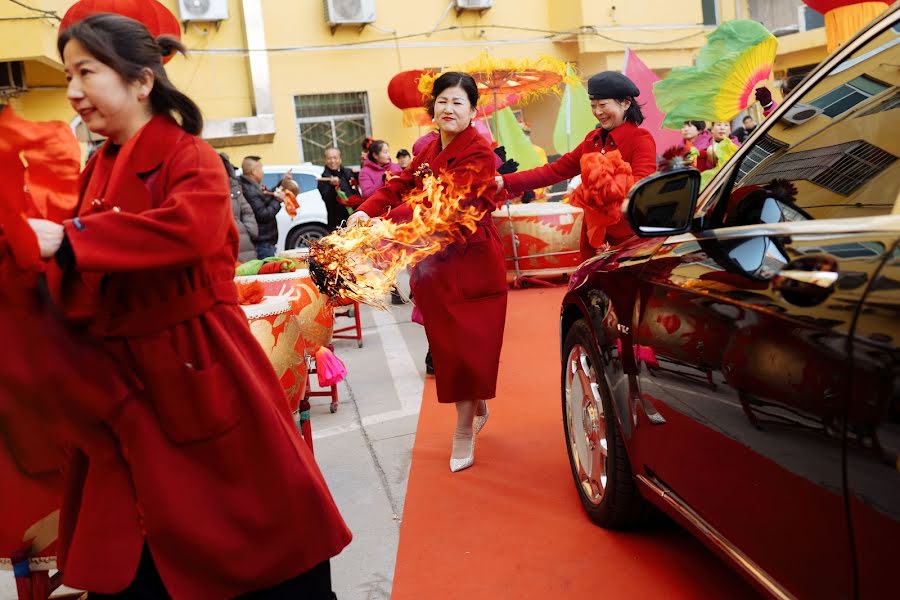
(461, 290)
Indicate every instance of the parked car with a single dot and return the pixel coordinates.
(735, 365)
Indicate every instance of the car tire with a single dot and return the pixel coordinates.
(298, 236)
(605, 483)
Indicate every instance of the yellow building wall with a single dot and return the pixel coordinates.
(305, 57)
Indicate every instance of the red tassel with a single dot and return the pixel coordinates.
(250, 293)
(329, 367)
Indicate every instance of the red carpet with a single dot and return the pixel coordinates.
(512, 526)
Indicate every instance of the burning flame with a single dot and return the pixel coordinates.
(361, 262)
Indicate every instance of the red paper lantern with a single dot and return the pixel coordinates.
(156, 17)
(403, 91)
(824, 6)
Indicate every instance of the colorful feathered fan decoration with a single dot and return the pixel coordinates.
(606, 180)
(738, 57)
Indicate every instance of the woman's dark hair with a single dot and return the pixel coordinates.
(366, 143)
(700, 125)
(127, 47)
(452, 79)
(403, 152)
(633, 113)
(375, 148)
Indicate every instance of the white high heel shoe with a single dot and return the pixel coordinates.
(481, 420)
(458, 464)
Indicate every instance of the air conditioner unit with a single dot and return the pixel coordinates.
(12, 78)
(800, 113)
(203, 10)
(349, 12)
(473, 4)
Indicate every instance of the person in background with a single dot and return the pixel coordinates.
(244, 218)
(614, 104)
(377, 169)
(265, 205)
(748, 126)
(404, 158)
(196, 482)
(461, 291)
(339, 188)
(720, 133)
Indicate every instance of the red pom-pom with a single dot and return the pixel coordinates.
(250, 293)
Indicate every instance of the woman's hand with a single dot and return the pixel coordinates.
(49, 235)
(335, 181)
(358, 217)
(500, 185)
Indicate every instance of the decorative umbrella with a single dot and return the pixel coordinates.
(496, 78)
(156, 17)
(843, 18)
(738, 56)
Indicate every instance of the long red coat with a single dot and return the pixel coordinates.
(634, 143)
(461, 291)
(203, 463)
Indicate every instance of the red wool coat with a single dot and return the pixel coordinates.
(203, 462)
(461, 291)
(634, 143)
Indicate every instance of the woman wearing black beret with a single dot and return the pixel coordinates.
(613, 102)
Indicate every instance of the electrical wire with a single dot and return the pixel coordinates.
(549, 35)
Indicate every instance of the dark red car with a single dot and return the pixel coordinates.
(736, 364)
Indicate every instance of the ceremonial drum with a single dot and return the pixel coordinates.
(300, 256)
(274, 327)
(308, 304)
(549, 236)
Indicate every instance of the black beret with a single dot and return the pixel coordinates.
(611, 84)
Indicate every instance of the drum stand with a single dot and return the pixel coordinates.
(520, 281)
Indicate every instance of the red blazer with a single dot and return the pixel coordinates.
(203, 462)
(637, 148)
(636, 145)
(461, 291)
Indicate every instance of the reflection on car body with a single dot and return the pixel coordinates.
(738, 368)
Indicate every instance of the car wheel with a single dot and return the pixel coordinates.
(300, 236)
(597, 453)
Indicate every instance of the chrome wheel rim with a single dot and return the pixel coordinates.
(586, 424)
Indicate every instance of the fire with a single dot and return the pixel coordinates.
(362, 262)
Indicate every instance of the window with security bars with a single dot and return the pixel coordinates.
(846, 96)
(842, 168)
(764, 148)
(889, 103)
(332, 120)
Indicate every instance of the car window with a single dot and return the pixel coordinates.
(833, 154)
(271, 180)
(306, 181)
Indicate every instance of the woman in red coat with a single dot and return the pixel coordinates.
(614, 103)
(461, 291)
(198, 485)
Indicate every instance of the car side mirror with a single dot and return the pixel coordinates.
(663, 204)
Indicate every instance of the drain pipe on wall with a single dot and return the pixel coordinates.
(259, 128)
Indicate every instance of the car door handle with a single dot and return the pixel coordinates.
(822, 279)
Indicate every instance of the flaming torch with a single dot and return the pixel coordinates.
(361, 262)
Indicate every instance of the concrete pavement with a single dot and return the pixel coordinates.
(364, 450)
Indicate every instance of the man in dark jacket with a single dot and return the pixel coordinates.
(743, 132)
(265, 205)
(338, 187)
